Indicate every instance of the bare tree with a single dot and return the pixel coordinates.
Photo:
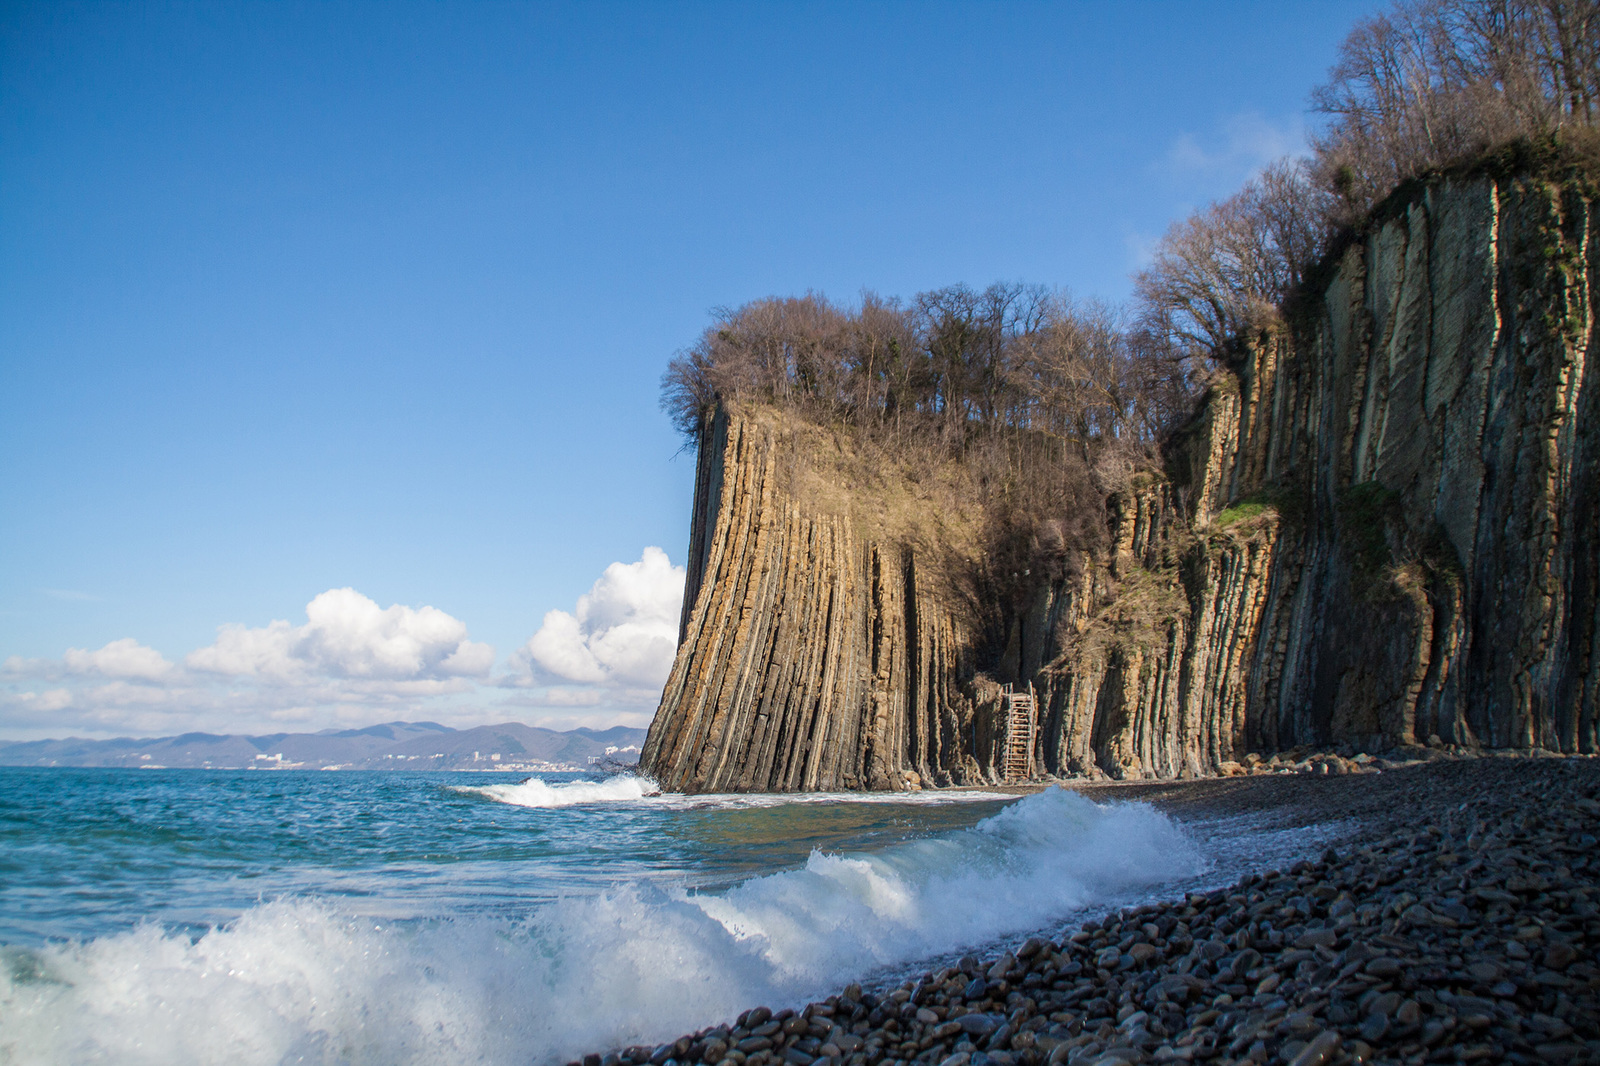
(1432, 82)
(957, 363)
(1228, 267)
(1028, 388)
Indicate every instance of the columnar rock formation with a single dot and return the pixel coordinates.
(810, 658)
(1382, 527)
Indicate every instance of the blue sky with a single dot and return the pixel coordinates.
(298, 298)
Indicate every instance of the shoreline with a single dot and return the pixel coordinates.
(1457, 921)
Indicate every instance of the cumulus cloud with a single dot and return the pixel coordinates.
(125, 658)
(352, 662)
(54, 699)
(623, 633)
(347, 635)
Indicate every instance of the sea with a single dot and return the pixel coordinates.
(391, 917)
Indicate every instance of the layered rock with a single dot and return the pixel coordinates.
(1382, 527)
(811, 658)
(1431, 419)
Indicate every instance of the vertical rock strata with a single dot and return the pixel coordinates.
(811, 659)
(1382, 526)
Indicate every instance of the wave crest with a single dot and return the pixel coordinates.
(535, 792)
(296, 981)
(629, 788)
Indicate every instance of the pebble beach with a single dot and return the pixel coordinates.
(1455, 919)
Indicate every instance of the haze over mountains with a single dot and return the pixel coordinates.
(390, 746)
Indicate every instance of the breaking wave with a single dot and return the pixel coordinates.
(534, 792)
(299, 981)
(628, 788)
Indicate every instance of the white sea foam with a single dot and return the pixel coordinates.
(297, 981)
(628, 788)
(534, 792)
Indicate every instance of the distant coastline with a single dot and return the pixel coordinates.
(509, 746)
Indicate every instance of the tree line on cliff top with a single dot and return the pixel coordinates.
(1426, 85)
(958, 372)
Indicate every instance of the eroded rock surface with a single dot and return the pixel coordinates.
(1382, 528)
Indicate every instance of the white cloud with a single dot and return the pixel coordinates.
(352, 662)
(623, 633)
(1243, 146)
(50, 700)
(351, 659)
(347, 635)
(125, 658)
(1204, 167)
(561, 648)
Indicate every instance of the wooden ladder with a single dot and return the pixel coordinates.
(1018, 761)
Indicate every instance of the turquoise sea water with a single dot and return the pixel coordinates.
(88, 853)
(176, 916)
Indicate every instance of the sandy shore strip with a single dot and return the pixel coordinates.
(1457, 920)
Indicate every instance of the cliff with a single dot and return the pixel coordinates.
(1383, 526)
(812, 656)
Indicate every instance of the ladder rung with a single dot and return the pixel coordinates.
(1019, 734)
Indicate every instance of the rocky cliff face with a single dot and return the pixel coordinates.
(1431, 419)
(811, 657)
(1383, 526)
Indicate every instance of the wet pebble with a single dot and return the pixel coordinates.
(1459, 927)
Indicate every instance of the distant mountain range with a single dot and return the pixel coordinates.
(391, 746)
